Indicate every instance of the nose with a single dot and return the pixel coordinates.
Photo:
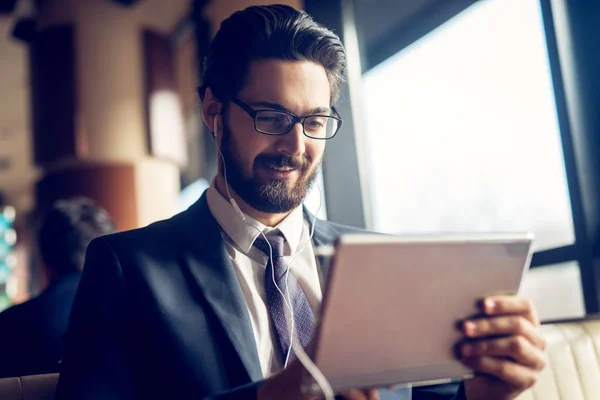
(293, 143)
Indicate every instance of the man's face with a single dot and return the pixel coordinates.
(273, 174)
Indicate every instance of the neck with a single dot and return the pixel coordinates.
(267, 219)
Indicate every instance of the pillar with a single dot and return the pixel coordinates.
(106, 115)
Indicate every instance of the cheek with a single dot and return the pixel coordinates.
(248, 143)
(253, 148)
(315, 151)
(259, 144)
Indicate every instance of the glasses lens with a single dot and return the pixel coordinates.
(321, 127)
(273, 122)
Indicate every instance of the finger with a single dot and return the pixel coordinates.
(503, 326)
(517, 348)
(506, 305)
(517, 376)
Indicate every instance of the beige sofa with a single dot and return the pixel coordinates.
(572, 372)
(573, 362)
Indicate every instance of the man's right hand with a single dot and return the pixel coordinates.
(286, 385)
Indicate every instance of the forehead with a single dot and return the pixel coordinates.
(297, 85)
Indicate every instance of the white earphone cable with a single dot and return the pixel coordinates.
(303, 358)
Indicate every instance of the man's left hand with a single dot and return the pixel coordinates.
(504, 349)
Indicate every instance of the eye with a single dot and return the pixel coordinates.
(266, 118)
(316, 122)
(273, 118)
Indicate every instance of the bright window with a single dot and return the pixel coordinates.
(462, 130)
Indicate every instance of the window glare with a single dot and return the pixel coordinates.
(462, 132)
(555, 291)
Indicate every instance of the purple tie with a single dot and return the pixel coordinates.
(304, 319)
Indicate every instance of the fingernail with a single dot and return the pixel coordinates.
(470, 327)
(490, 305)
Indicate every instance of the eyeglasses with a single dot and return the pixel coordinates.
(271, 122)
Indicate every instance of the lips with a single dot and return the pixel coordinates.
(281, 168)
(280, 173)
(278, 167)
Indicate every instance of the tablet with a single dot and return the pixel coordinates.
(391, 305)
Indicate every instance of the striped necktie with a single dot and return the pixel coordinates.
(279, 283)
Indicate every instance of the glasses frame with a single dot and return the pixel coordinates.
(254, 113)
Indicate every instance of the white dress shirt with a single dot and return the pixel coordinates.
(250, 266)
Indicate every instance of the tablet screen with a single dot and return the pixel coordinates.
(391, 304)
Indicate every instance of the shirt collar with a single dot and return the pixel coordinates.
(242, 234)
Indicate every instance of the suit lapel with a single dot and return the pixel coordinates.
(212, 270)
(214, 273)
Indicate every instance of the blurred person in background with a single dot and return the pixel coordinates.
(31, 333)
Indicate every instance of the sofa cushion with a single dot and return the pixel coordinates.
(39, 387)
(573, 367)
(34, 387)
(10, 389)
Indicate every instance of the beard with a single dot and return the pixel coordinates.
(273, 196)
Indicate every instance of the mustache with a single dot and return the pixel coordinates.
(300, 163)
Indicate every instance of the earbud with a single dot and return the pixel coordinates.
(216, 125)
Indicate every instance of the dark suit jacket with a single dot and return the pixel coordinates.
(160, 314)
(31, 333)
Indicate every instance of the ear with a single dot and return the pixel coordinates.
(211, 108)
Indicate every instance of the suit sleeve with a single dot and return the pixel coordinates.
(96, 362)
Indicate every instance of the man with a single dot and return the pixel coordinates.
(189, 308)
(31, 333)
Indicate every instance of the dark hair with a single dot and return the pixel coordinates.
(66, 231)
(269, 32)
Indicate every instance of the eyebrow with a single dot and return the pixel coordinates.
(279, 107)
